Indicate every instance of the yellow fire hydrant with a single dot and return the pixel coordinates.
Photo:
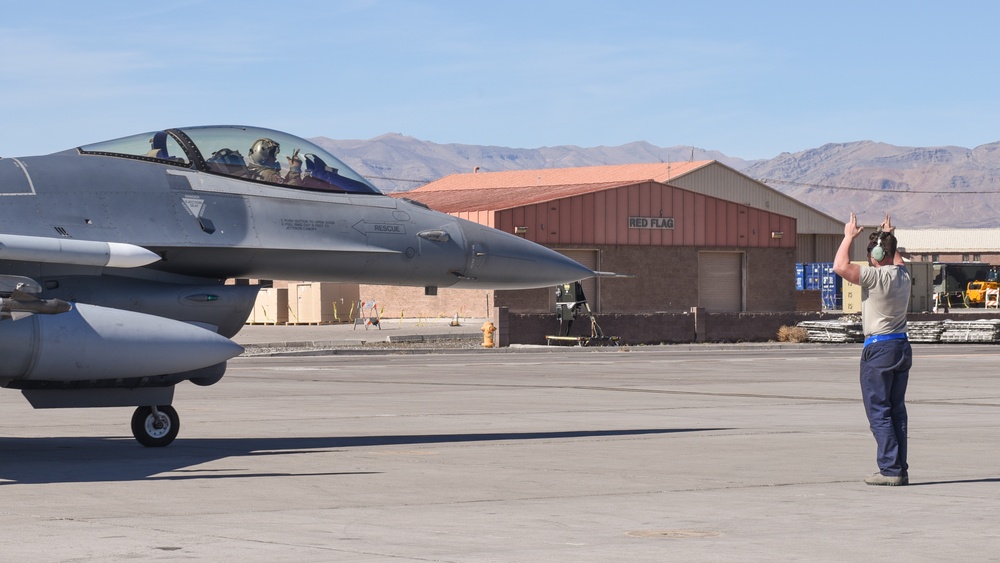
(488, 330)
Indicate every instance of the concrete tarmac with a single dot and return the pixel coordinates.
(711, 453)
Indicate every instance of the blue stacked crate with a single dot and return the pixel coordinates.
(830, 288)
(800, 276)
(813, 276)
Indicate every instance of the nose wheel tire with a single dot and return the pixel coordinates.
(155, 427)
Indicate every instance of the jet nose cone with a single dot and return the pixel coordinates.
(500, 260)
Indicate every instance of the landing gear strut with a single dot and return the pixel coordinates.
(155, 427)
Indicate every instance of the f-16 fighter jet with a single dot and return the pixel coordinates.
(113, 258)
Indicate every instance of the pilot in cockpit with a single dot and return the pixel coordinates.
(264, 163)
(294, 176)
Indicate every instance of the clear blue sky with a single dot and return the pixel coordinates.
(750, 79)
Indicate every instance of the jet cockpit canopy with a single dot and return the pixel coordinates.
(249, 153)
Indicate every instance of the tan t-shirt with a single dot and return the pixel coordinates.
(885, 298)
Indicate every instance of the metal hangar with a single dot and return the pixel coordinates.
(688, 234)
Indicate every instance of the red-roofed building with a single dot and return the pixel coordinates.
(690, 234)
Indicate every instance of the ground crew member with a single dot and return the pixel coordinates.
(886, 356)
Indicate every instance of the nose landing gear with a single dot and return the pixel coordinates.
(155, 427)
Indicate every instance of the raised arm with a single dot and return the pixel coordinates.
(842, 262)
(897, 259)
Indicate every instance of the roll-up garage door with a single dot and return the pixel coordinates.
(720, 281)
(589, 259)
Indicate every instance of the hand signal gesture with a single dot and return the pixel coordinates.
(851, 229)
(887, 224)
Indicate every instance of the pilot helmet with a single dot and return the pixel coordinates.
(264, 152)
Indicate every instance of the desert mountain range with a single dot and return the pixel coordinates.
(930, 187)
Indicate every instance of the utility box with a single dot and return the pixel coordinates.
(320, 302)
(271, 307)
(852, 294)
(922, 291)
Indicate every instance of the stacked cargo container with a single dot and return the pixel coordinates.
(819, 276)
(830, 288)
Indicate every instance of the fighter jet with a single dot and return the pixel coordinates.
(114, 257)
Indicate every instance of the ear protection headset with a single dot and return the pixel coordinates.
(875, 249)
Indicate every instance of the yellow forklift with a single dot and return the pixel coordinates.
(975, 291)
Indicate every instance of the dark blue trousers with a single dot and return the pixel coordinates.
(885, 369)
